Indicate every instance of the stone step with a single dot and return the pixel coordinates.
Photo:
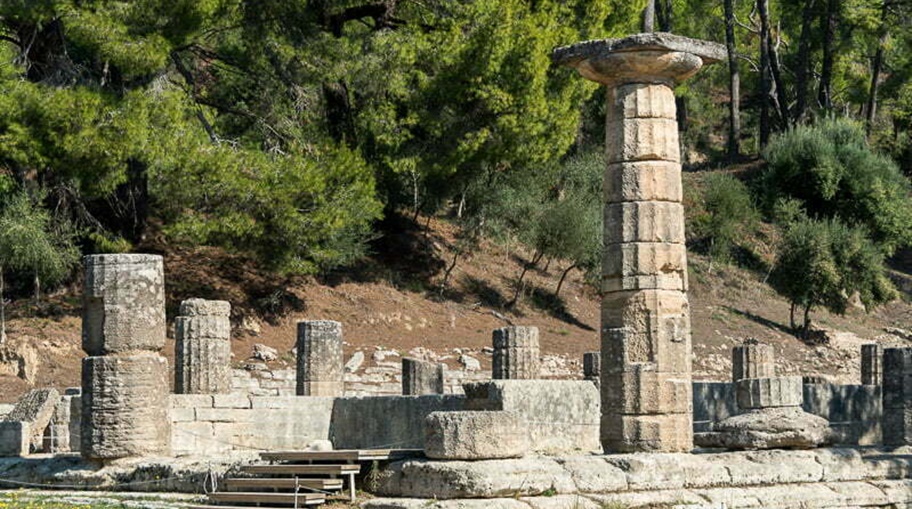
(341, 455)
(283, 483)
(302, 469)
(267, 498)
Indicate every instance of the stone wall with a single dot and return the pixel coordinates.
(854, 411)
(384, 379)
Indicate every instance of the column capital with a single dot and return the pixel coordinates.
(642, 58)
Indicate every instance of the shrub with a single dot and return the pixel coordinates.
(725, 214)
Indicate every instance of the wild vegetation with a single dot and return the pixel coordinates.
(292, 132)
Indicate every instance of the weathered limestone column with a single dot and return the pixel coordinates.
(753, 360)
(516, 353)
(646, 343)
(320, 368)
(202, 351)
(592, 362)
(897, 396)
(125, 396)
(421, 377)
(871, 364)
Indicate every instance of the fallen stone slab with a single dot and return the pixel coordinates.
(475, 435)
(768, 428)
(37, 409)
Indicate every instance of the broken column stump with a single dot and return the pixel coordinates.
(897, 396)
(320, 368)
(753, 360)
(646, 341)
(125, 405)
(202, 360)
(871, 364)
(516, 353)
(421, 377)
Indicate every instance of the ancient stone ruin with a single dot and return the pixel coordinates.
(320, 367)
(516, 353)
(646, 343)
(202, 347)
(422, 377)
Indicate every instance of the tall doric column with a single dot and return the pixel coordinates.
(646, 345)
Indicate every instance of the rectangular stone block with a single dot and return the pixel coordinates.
(422, 377)
(183, 414)
(226, 414)
(642, 139)
(15, 438)
(642, 100)
(643, 181)
(473, 435)
(325, 388)
(592, 362)
(753, 361)
(644, 266)
(645, 433)
(647, 221)
(191, 401)
(642, 390)
(235, 400)
(897, 426)
(781, 391)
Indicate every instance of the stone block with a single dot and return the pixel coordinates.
(191, 401)
(768, 428)
(643, 100)
(545, 406)
(469, 435)
(642, 139)
(592, 362)
(871, 364)
(15, 438)
(896, 426)
(644, 266)
(647, 433)
(661, 336)
(125, 406)
(124, 308)
(205, 307)
(183, 414)
(643, 181)
(320, 368)
(37, 408)
(235, 400)
(75, 424)
(782, 391)
(422, 377)
(646, 221)
(753, 360)
(643, 390)
(516, 353)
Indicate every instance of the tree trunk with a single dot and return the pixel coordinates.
(766, 87)
(649, 16)
(877, 68)
(792, 323)
(803, 71)
(830, 22)
(780, 98)
(563, 276)
(520, 286)
(449, 270)
(807, 321)
(2, 310)
(37, 288)
(734, 83)
(664, 15)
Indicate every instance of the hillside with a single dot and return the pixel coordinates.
(391, 302)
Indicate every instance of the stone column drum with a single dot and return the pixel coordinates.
(646, 341)
(320, 368)
(125, 396)
(421, 377)
(753, 360)
(516, 353)
(871, 364)
(897, 396)
(202, 350)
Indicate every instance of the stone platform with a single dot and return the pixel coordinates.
(849, 477)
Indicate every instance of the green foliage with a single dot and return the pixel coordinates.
(30, 242)
(725, 215)
(823, 263)
(832, 171)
